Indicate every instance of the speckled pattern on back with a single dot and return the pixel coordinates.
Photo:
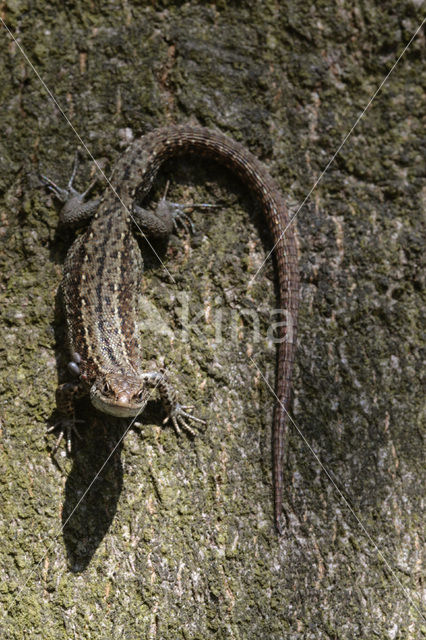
(103, 268)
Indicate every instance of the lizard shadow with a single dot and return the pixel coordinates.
(92, 489)
(93, 486)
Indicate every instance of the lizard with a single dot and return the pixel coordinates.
(104, 265)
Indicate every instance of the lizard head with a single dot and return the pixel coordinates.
(119, 394)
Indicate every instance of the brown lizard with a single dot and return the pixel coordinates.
(103, 268)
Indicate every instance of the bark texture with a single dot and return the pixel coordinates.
(174, 538)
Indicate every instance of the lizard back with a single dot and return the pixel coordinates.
(101, 287)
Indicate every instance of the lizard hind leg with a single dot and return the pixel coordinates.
(168, 216)
(75, 210)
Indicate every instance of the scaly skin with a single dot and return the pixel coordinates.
(103, 270)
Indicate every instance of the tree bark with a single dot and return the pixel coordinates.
(156, 536)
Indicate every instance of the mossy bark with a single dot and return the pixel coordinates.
(174, 538)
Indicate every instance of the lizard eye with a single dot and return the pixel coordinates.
(140, 394)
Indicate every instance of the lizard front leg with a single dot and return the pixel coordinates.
(177, 412)
(66, 394)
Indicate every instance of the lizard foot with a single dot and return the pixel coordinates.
(180, 417)
(178, 212)
(181, 218)
(67, 427)
(75, 209)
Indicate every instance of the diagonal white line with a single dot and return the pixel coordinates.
(339, 491)
(83, 144)
(333, 157)
(34, 569)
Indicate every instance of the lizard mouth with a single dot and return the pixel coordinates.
(122, 406)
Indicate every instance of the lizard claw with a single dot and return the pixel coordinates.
(67, 427)
(180, 417)
(60, 193)
(180, 217)
(179, 214)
